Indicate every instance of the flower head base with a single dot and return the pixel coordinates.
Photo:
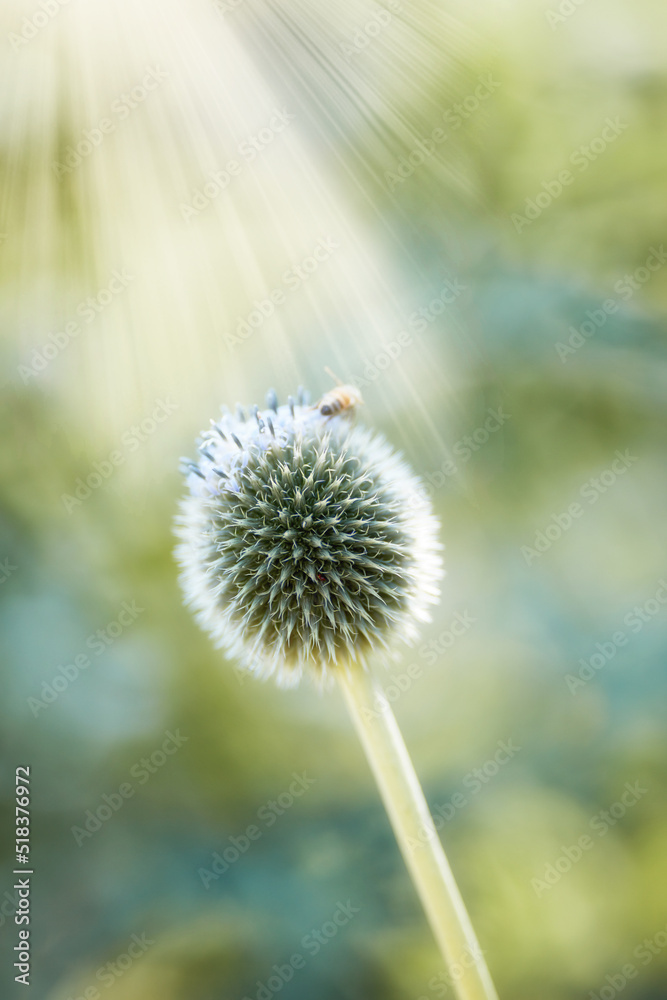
(306, 542)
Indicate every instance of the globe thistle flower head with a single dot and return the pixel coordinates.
(306, 542)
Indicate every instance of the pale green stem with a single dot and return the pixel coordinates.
(415, 832)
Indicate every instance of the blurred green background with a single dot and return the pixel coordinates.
(425, 148)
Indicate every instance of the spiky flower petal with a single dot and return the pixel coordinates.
(306, 542)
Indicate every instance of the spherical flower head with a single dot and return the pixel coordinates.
(306, 542)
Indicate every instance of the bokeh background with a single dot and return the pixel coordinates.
(419, 147)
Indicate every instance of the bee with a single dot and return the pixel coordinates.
(339, 400)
